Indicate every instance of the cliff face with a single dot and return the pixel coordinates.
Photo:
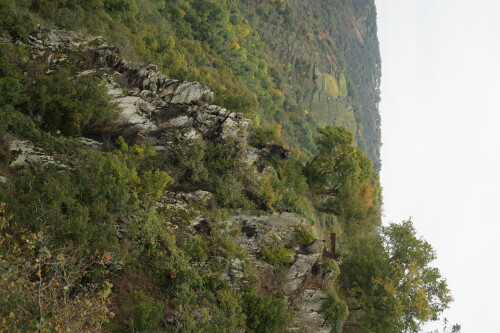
(164, 114)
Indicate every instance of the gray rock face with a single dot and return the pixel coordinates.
(26, 155)
(316, 247)
(307, 306)
(299, 271)
(134, 118)
(302, 285)
(153, 105)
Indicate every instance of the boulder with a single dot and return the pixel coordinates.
(27, 155)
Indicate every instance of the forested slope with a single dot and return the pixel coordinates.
(181, 166)
(296, 63)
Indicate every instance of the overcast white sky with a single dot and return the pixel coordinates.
(440, 131)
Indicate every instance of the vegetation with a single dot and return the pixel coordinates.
(92, 243)
(265, 313)
(304, 236)
(334, 308)
(277, 255)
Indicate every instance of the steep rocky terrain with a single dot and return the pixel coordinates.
(204, 166)
(151, 109)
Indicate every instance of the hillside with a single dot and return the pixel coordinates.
(192, 166)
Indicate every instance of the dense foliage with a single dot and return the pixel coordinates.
(92, 243)
(299, 75)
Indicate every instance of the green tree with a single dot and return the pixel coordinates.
(391, 279)
(421, 291)
(343, 174)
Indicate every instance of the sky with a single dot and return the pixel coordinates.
(441, 141)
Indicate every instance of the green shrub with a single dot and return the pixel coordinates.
(265, 314)
(330, 265)
(67, 283)
(67, 105)
(304, 236)
(14, 21)
(277, 255)
(145, 313)
(334, 308)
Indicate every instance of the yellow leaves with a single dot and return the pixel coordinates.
(275, 92)
(267, 192)
(277, 129)
(242, 31)
(235, 45)
(138, 150)
(182, 12)
(421, 304)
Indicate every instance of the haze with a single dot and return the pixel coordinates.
(440, 84)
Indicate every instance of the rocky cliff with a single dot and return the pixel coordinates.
(163, 113)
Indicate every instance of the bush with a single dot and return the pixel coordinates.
(145, 313)
(13, 21)
(330, 265)
(304, 236)
(334, 308)
(265, 314)
(84, 205)
(43, 287)
(277, 255)
(67, 105)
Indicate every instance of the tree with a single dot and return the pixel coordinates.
(390, 278)
(421, 291)
(456, 328)
(343, 174)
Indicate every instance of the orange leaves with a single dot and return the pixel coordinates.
(275, 92)
(366, 194)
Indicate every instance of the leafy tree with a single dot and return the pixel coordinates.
(421, 291)
(391, 279)
(343, 174)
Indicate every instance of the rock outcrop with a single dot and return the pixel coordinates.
(25, 155)
(151, 108)
(304, 281)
